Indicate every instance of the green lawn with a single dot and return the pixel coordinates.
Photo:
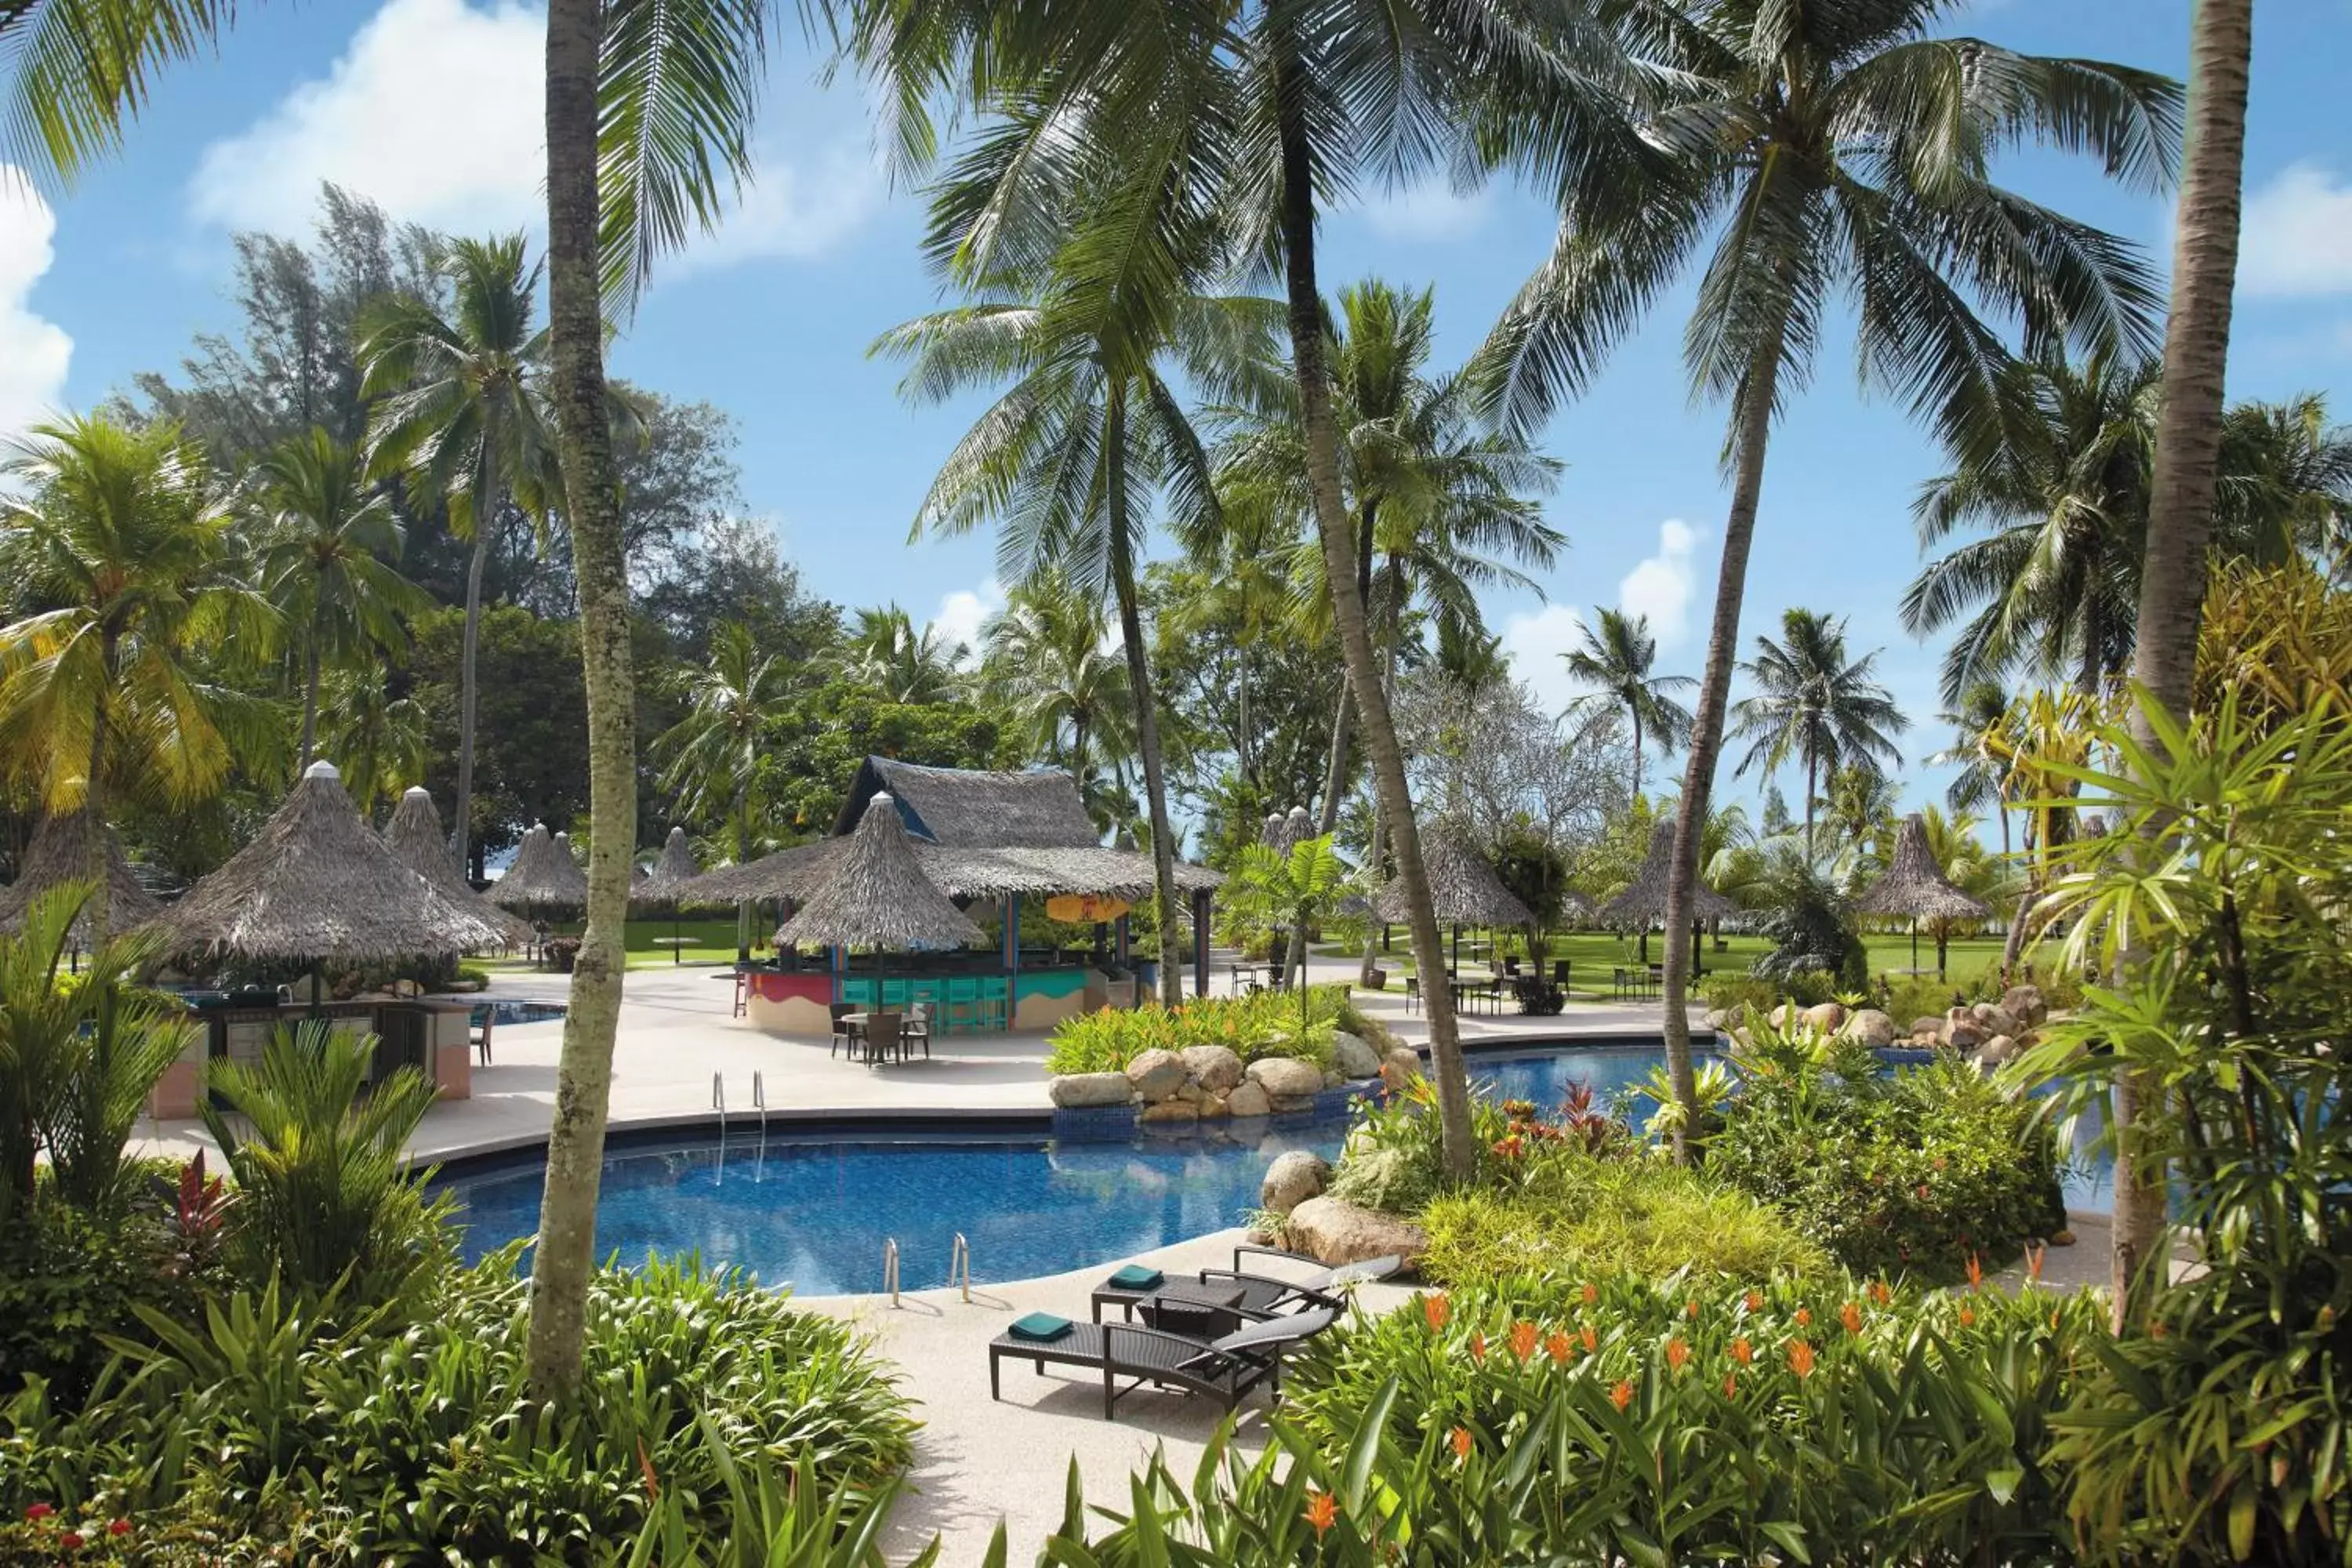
(706, 942)
(1594, 954)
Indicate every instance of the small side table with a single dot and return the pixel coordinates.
(1198, 1310)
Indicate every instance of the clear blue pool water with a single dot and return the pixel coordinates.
(512, 1012)
(812, 1211)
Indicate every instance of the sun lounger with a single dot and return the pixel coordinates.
(1225, 1369)
(1267, 1295)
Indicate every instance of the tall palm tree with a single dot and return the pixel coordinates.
(379, 742)
(459, 405)
(1823, 148)
(1087, 429)
(712, 755)
(120, 547)
(327, 538)
(2053, 585)
(1616, 659)
(1046, 662)
(2181, 496)
(1816, 704)
(2284, 481)
(1979, 717)
(887, 652)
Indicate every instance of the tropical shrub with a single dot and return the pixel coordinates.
(1731, 992)
(1625, 1420)
(1920, 996)
(1811, 928)
(1916, 1171)
(1265, 1025)
(69, 1279)
(323, 1193)
(329, 1438)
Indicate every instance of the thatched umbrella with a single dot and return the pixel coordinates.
(1914, 885)
(317, 883)
(1463, 888)
(414, 837)
(659, 887)
(1645, 897)
(542, 873)
(58, 852)
(878, 895)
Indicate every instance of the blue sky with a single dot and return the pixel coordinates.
(431, 107)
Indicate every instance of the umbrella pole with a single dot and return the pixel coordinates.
(1915, 946)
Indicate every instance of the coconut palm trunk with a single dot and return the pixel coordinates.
(1707, 719)
(1306, 341)
(461, 826)
(1139, 678)
(310, 699)
(575, 1144)
(1335, 777)
(2180, 517)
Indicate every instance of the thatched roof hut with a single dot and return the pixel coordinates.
(1645, 897)
(1461, 884)
(414, 837)
(318, 883)
(543, 875)
(1914, 884)
(878, 895)
(971, 809)
(59, 853)
(672, 870)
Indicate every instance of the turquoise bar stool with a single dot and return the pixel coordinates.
(995, 1002)
(962, 1012)
(894, 993)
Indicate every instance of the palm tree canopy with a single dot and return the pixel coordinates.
(1814, 701)
(329, 539)
(886, 651)
(710, 757)
(1618, 655)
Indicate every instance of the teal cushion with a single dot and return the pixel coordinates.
(1040, 1326)
(1135, 1277)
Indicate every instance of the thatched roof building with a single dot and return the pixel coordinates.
(414, 837)
(1645, 897)
(1461, 884)
(672, 870)
(1914, 884)
(878, 894)
(318, 883)
(1047, 845)
(59, 853)
(543, 875)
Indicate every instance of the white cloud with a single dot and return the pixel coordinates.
(2295, 237)
(1660, 586)
(961, 613)
(1429, 211)
(1535, 639)
(33, 353)
(433, 111)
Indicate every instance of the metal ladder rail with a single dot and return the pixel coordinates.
(890, 1268)
(759, 1103)
(718, 1100)
(959, 1265)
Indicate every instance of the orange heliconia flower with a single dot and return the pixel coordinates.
(1462, 1442)
(1523, 1340)
(1677, 1352)
(2033, 1257)
(1730, 1386)
(1976, 1271)
(1591, 1341)
(1800, 1358)
(1437, 1308)
(1804, 1316)
(1322, 1512)
(1755, 1301)
(1880, 1292)
(1623, 1395)
(1477, 1347)
(1592, 1294)
(1556, 1347)
(1742, 1351)
(1850, 1316)
(1967, 1317)
(1690, 1311)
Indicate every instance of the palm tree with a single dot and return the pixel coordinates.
(2284, 482)
(1046, 662)
(1815, 704)
(2053, 585)
(327, 542)
(1820, 148)
(378, 742)
(2181, 496)
(118, 540)
(713, 753)
(1981, 714)
(885, 651)
(1086, 430)
(1616, 659)
(460, 407)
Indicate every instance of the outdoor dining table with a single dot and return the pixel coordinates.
(859, 1045)
(677, 944)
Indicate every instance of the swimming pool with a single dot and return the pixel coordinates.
(813, 1209)
(510, 1012)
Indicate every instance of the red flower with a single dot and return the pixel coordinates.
(1322, 1512)
(1556, 1347)
(1967, 1317)
(1436, 1308)
(1881, 1293)
(119, 1529)
(1523, 1340)
(1477, 1347)
(1623, 1395)
(1850, 1316)
(1677, 1352)
(39, 1511)
(1690, 1311)
(1462, 1442)
(1730, 1386)
(1976, 1271)
(1742, 1351)
(1804, 1316)
(1591, 1339)
(1592, 1294)
(70, 1540)
(1755, 1301)
(1800, 1358)
(2033, 1257)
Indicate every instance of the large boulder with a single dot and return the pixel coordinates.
(1355, 1056)
(1927, 1028)
(1997, 1050)
(1335, 1231)
(1292, 1179)
(1826, 1017)
(1072, 1091)
(1286, 1078)
(1248, 1099)
(1994, 1019)
(1400, 1068)
(1216, 1067)
(1157, 1075)
(1965, 1034)
(2024, 1004)
(1184, 1111)
(1871, 1026)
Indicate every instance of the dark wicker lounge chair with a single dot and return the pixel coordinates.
(1267, 1295)
(1224, 1369)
